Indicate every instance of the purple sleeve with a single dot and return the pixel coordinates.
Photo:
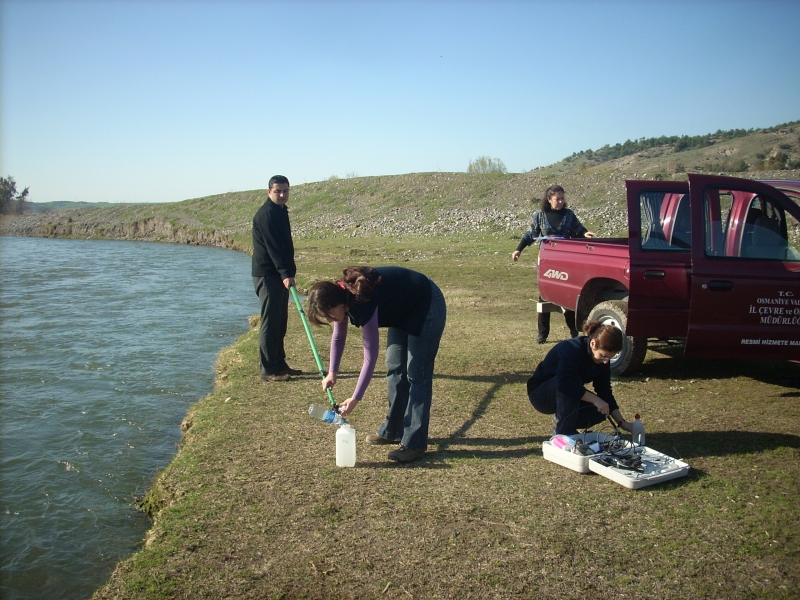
(338, 339)
(371, 347)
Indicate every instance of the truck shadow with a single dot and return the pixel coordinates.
(666, 361)
(693, 444)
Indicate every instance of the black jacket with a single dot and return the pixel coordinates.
(570, 362)
(273, 249)
(403, 299)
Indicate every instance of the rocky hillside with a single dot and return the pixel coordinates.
(418, 204)
(730, 151)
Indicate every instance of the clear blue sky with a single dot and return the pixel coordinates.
(155, 101)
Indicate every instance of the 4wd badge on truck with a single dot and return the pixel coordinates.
(553, 274)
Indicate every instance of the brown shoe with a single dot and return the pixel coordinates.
(276, 377)
(404, 455)
(376, 440)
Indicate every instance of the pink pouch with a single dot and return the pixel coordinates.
(562, 442)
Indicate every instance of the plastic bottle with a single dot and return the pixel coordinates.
(346, 446)
(325, 414)
(638, 431)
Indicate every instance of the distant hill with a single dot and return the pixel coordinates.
(393, 206)
(432, 204)
(45, 207)
(732, 151)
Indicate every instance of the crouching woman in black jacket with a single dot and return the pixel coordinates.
(557, 385)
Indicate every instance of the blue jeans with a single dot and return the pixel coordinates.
(409, 361)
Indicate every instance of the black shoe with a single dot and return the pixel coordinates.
(541, 340)
(574, 333)
(287, 370)
(403, 454)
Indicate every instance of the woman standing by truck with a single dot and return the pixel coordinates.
(553, 219)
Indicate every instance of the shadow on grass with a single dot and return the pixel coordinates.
(427, 462)
(684, 445)
(693, 444)
(666, 361)
(496, 382)
(435, 458)
(500, 447)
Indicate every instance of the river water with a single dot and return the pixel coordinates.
(104, 346)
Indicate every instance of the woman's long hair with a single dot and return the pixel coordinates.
(355, 287)
(552, 190)
(606, 337)
(361, 282)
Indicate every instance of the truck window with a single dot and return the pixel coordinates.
(680, 227)
(740, 224)
(665, 221)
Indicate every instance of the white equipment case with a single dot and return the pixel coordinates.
(655, 466)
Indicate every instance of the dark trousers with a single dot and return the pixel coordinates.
(544, 323)
(274, 299)
(571, 413)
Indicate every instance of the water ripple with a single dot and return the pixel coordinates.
(104, 346)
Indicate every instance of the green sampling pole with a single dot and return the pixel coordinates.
(303, 318)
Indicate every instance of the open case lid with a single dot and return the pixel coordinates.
(651, 467)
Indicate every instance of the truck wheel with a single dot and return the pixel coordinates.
(631, 357)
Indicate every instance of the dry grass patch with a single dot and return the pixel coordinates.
(253, 505)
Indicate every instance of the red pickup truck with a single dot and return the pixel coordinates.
(715, 260)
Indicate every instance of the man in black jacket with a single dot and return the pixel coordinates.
(273, 274)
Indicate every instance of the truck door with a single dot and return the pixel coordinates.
(745, 280)
(659, 232)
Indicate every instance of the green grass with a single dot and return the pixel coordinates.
(253, 505)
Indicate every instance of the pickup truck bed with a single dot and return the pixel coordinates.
(715, 260)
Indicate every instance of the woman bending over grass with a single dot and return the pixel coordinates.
(413, 309)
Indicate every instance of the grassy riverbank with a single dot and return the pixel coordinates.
(253, 505)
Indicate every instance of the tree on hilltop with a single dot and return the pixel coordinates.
(484, 164)
(11, 203)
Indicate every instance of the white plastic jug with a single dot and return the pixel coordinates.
(346, 446)
(638, 431)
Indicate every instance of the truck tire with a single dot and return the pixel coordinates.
(634, 349)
